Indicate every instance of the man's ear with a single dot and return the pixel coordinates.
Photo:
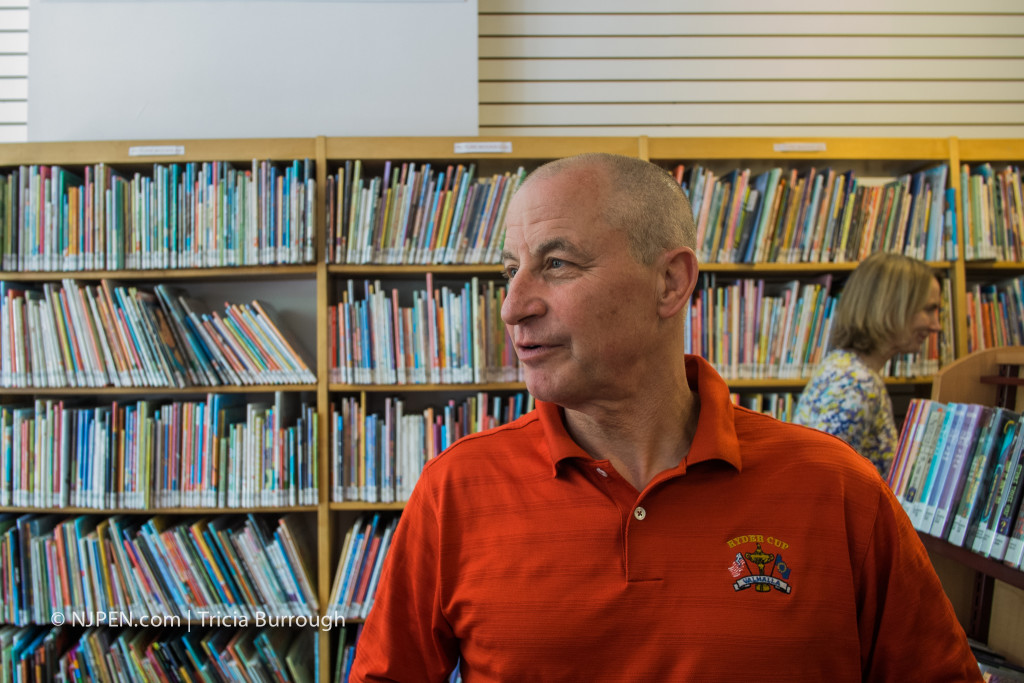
(678, 278)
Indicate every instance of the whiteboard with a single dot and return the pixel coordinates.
(148, 69)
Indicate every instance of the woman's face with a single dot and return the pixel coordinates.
(921, 324)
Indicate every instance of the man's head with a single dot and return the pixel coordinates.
(598, 251)
(643, 200)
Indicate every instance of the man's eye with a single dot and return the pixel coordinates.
(556, 263)
(510, 272)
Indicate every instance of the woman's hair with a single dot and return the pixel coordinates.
(879, 299)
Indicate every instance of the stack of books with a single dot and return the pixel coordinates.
(959, 473)
(79, 335)
(378, 457)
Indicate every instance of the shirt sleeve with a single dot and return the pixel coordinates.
(908, 630)
(406, 637)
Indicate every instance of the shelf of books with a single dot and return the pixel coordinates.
(160, 451)
(993, 220)
(799, 214)
(210, 348)
(958, 473)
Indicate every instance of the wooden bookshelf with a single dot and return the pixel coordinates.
(876, 157)
(970, 579)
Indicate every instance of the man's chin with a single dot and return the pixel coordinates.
(544, 388)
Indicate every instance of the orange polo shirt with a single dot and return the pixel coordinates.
(773, 552)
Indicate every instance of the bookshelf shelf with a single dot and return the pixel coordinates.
(993, 267)
(971, 580)
(159, 391)
(234, 273)
(1002, 381)
(360, 506)
(164, 510)
(427, 388)
(971, 560)
(413, 271)
(320, 282)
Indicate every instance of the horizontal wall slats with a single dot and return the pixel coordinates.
(750, 46)
(14, 24)
(963, 131)
(13, 16)
(743, 114)
(598, 69)
(13, 89)
(12, 42)
(648, 92)
(750, 6)
(13, 112)
(764, 24)
(13, 65)
(898, 67)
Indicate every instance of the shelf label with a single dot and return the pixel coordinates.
(156, 151)
(483, 147)
(799, 146)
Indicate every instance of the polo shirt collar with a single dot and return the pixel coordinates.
(715, 438)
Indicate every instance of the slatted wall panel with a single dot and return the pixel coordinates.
(13, 70)
(747, 67)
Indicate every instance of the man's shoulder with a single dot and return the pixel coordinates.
(521, 437)
(763, 438)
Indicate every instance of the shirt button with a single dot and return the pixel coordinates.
(639, 512)
(601, 472)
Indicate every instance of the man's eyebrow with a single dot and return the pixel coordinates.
(554, 244)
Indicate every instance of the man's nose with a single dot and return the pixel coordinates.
(522, 299)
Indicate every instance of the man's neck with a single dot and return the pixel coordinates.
(640, 441)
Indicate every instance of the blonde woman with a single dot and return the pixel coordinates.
(890, 305)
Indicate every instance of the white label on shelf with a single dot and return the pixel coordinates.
(483, 147)
(799, 146)
(156, 151)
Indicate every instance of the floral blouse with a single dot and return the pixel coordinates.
(848, 399)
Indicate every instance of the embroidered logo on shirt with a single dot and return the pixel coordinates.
(758, 564)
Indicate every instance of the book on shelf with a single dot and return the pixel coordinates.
(756, 329)
(995, 438)
(448, 335)
(163, 453)
(157, 567)
(908, 445)
(998, 494)
(198, 214)
(992, 210)
(363, 552)
(420, 215)
(1008, 509)
(965, 460)
(378, 456)
(76, 335)
(913, 492)
(948, 477)
(968, 439)
(245, 654)
(817, 216)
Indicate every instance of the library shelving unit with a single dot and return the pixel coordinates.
(872, 161)
(305, 293)
(288, 284)
(991, 220)
(987, 595)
